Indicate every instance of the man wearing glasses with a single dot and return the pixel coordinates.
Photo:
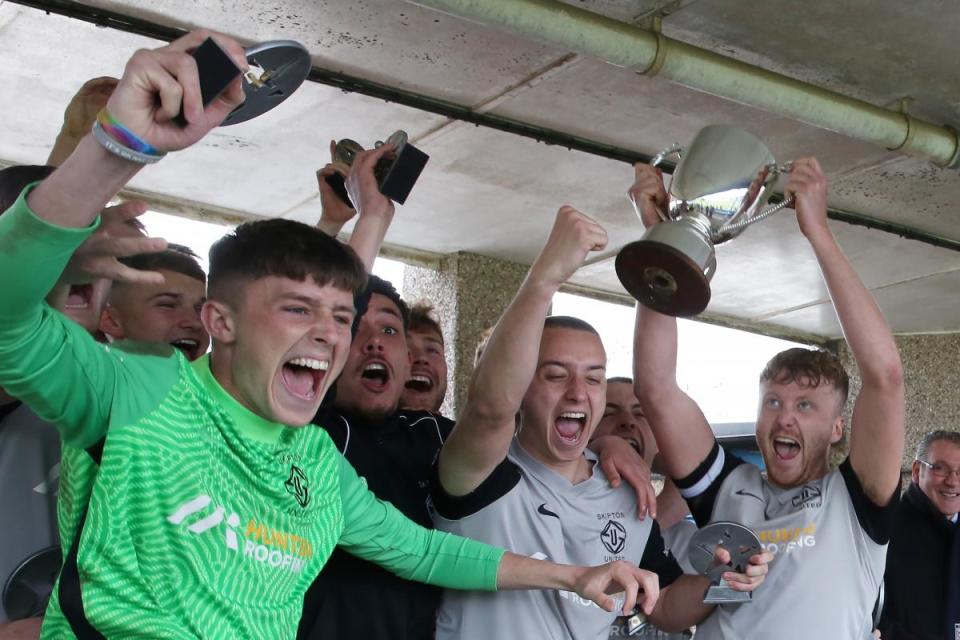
(922, 581)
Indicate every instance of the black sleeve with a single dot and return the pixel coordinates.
(701, 500)
(445, 425)
(876, 520)
(498, 484)
(329, 420)
(658, 559)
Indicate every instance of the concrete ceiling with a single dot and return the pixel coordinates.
(496, 193)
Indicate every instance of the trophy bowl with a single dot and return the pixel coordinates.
(719, 186)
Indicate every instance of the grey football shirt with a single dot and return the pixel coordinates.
(829, 543)
(533, 511)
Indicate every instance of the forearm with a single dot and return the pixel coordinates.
(378, 532)
(62, 148)
(680, 605)
(39, 252)
(521, 572)
(331, 228)
(438, 558)
(878, 427)
(485, 428)
(671, 507)
(510, 357)
(367, 238)
(681, 431)
(864, 327)
(74, 194)
(654, 353)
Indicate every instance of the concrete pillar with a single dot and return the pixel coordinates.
(469, 292)
(933, 385)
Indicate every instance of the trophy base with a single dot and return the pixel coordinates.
(29, 586)
(286, 65)
(663, 278)
(722, 594)
(398, 177)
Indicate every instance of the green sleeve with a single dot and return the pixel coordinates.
(376, 531)
(49, 362)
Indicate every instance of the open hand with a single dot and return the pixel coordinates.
(116, 238)
(619, 460)
(754, 573)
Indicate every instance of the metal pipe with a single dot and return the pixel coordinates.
(354, 84)
(652, 53)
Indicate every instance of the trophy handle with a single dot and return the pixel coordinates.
(730, 227)
(675, 149)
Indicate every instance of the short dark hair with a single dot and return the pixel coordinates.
(282, 248)
(423, 318)
(811, 367)
(569, 322)
(940, 435)
(13, 180)
(386, 289)
(176, 258)
(621, 379)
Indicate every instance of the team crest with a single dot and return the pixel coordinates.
(296, 486)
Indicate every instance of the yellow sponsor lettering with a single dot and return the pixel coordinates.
(259, 532)
(280, 540)
(786, 535)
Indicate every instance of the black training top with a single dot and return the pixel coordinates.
(353, 598)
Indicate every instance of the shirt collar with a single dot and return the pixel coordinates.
(247, 422)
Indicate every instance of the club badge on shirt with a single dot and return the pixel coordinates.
(296, 486)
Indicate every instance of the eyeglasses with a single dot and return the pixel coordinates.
(939, 469)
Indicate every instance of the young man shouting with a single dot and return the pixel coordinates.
(531, 484)
(212, 511)
(829, 529)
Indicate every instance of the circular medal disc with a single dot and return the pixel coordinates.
(285, 64)
(663, 278)
(740, 541)
(28, 588)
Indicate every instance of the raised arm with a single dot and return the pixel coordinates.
(374, 210)
(877, 432)
(485, 428)
(45, 360)
(334, 212)
(154, 86)
(679, 426)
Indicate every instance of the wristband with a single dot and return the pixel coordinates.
(123, 135)
(114, 147)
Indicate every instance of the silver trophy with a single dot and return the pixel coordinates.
(742, 544)
(719, 187)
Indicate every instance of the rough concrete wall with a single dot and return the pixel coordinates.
(930, 366)
(469, 292)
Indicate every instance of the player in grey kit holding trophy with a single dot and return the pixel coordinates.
(829, 529)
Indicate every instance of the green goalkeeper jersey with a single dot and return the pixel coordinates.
(203, 519)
